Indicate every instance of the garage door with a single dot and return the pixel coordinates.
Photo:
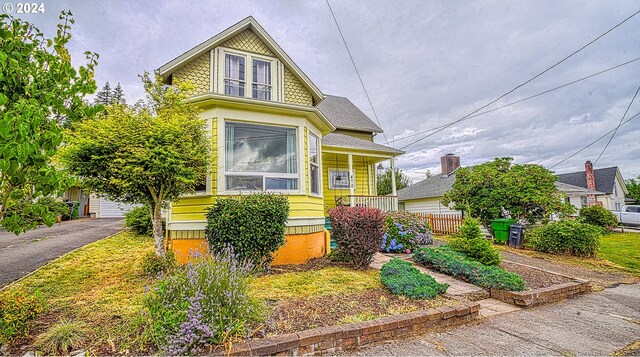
(111, 209)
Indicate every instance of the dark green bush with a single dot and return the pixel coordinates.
(472, 243)
(470, 229)
(566, 237)
(337, 255)
(32, 214)
(598, 216)
(358, 232)
(448, 261)
(153, 265)
(402, 278)
(139, 220)
(253, 225)
(17, 308)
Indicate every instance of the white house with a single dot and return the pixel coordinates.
(608, 183)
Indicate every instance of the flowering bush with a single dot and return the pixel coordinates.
(358, 232)
(16, 309)
(203, 303)
(406, 232)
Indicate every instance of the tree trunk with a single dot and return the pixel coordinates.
(158, 236)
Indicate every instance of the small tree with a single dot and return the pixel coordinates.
(633, 186)
(40, 90)
(150, 154)
(117, 96)
(501, 189)
(384, 181)
(103, 96)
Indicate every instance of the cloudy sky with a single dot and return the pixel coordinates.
(424, 64)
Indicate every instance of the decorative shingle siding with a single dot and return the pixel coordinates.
(294, 91)
(248, 41)
(197, 72)
(356, 134)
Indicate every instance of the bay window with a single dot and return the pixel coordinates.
(314, 170)
(260, 157)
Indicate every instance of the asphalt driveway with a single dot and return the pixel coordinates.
(20, 255)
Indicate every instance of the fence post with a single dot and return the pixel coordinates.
(431, 222)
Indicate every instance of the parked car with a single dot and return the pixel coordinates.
(629, 215)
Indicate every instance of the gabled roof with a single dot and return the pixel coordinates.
(253, 25)
(566, 188)
(343, 114)
(349, 142)
(434, 186)
(605, 179)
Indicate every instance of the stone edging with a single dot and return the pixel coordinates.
(543, 295)
(331, 339)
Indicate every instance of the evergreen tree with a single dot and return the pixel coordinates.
(117, 96)
(104, 96)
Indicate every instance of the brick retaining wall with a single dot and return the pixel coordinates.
(328, 340)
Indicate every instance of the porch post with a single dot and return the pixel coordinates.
(393, 183)
(351, 179)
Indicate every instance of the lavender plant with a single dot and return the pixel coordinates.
(405, 233)
(203, 303)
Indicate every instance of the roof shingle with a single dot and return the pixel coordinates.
(605, 179)
(434, 186)
(345, 115)
(346, 141)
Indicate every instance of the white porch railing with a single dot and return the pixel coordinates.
(383, 203)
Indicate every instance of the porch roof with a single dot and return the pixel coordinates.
(339, 140)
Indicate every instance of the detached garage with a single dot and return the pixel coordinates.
(101, 207)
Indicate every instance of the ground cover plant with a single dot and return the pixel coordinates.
(566, 237)
(448, 261)
(405, 232)
(402, 278)
(253, 225)
(17, 309)
(472, 243)
(358, 232)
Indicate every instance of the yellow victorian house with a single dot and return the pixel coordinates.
(273, 130)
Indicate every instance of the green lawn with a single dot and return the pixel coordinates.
(622, 249)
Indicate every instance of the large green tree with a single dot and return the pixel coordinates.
(384, 181)
(633, 186)
(502, 189)
(152, 153)
(40, 91)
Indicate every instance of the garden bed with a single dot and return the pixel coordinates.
(534, 278)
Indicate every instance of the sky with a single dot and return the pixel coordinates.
(424, 64)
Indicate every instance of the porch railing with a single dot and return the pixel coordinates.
(383, 203)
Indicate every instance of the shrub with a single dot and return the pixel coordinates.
(402, 278)
(62, 338)
(30, 217)
(470, 229)
(448, 261)
(139, 220)
(253, 225)
(566, 237)
(478, 249)
(405, 233)
(358, 232)
(17, 308)
(598, 216)
(153, 265)
(337, 255)
(205, 302)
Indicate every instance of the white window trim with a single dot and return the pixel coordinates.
(277, 79)
(207, 192)
(318, 164)
(353, 176)
(222, 173)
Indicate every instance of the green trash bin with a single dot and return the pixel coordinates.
(501, 228)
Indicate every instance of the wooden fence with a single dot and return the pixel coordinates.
(443, 223)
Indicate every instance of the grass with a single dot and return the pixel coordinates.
(315, 283)
(100, 285)
(622, 249)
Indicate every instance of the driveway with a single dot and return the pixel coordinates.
(20, 255)
(594, 324)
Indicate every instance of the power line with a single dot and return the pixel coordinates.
(524, 99)
(357, 72)
(595, 141)
(617, 127)
(526, 82)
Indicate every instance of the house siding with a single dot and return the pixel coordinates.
(248, 41)
(197, 72)
(363, 180)
(294, 91)
(428, 205)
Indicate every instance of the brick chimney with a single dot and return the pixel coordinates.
(591, 182)
(449, 164)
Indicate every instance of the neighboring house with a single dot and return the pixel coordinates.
(91, 205)
(272, 129)
(575, 195)
(425, 196)
(607, 181)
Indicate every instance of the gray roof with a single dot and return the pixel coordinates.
(434, 186)
(605, 179)
(346, 141)
(566, 188)
(345, 115)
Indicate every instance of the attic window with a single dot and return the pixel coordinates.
(234, 75)
(261, 79)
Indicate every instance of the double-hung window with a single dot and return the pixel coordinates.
(260, 157)
(261, 80)
(314, 169)
(234, 75)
